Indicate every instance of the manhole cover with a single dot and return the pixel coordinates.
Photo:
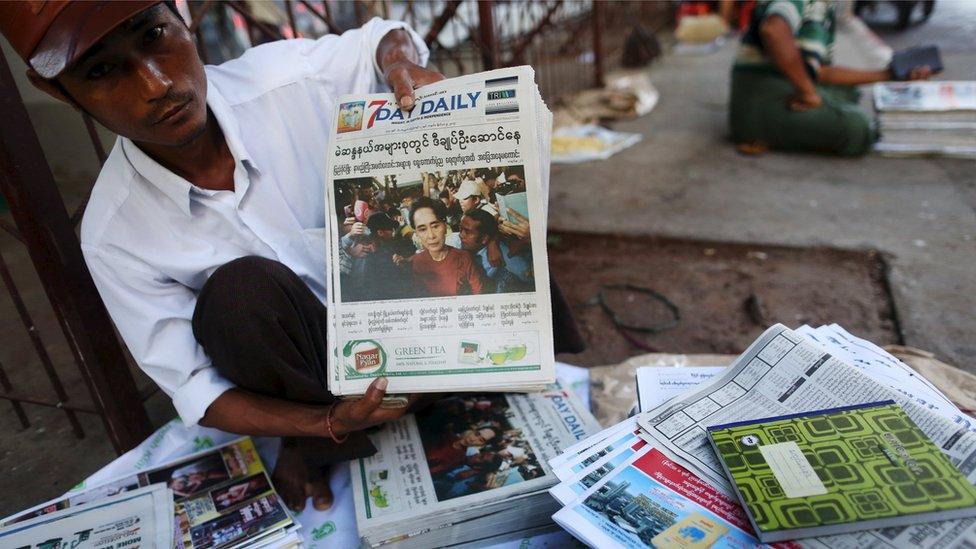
(637, 295)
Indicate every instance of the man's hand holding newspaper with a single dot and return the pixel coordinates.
(433, 290)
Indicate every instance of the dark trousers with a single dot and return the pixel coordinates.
(265, 331)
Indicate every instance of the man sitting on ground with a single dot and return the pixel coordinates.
(205, 230)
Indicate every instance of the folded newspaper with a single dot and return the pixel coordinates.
(654, 480)
(926, 118)
(437, 223)
(141, 518)
(218, 498)
(476, 462)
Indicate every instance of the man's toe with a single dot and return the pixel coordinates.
(320, 493)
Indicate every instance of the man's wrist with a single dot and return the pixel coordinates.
(336, 429)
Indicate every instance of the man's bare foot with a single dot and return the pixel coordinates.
(295, 483)
(751, 147)
(318, 489)
(290, 477)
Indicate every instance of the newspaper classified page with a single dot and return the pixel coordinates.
(464, 452)
(783, 373)
(437, 246)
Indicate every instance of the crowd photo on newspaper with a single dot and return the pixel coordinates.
(471, 446)
(434, 234)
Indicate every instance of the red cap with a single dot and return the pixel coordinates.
(50, 35)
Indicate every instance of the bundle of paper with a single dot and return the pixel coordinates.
(217, 498)
(655, 479)
(467, 468)
(437, 223)
(141, 518)
(926, 118)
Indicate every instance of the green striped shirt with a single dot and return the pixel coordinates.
(812, 23)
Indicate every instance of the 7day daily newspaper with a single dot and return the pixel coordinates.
(466, 457)
(441, 304)
(783, 372)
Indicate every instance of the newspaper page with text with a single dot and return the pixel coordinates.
(437, 218)
(465, 452)
(140, 518)
(222, 497)
(783, 373)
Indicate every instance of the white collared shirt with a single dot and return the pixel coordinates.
(152, 239)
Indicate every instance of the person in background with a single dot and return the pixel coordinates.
(384, 277)
(507, 272)
(470, 197)
(453, 208)
(440, 270)
(355, 248)
(787, 95)
(363, 206)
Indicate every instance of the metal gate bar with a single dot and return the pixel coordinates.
(42, 220)
(52, 374)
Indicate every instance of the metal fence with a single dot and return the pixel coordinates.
(570, 43)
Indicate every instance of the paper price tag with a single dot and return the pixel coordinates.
(792, 470)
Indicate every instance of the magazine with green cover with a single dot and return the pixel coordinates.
(839, 470)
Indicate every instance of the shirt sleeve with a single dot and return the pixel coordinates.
(154, 315)
(790, 10)
(347, 62)
(811, 24)
(816, 36)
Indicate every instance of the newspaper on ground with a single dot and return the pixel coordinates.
(429, 304)
(781, 373)
(479, 462)
(926, 118)
(333, 527)
(220, 498)
(600, 465)
(658, 384)
(140, 518)
(887, 370)
(651, 501)
(585, 142)
(571, 467)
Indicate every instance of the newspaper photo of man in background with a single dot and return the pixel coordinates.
(471, 445)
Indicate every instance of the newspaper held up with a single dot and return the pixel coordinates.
(437, 220)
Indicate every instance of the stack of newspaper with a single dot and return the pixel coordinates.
(654, 479)
(468, 468)
(214, 499)
(926, 118)
(437, 223)
(141, 518)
